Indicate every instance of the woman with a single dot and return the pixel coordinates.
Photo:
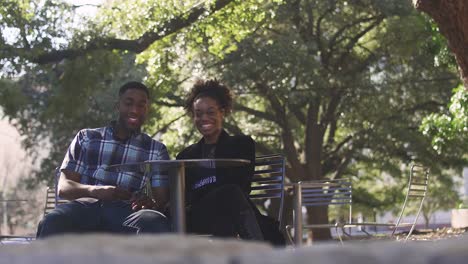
(217, 199)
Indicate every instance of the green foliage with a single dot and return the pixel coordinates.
(339, 87)
(130, 19)
(221, 33)
(11, 97)
(174, 60)
(50, 104)
(449, 131)
(379, 95)
(378, 186)
(31, 25)
(438, 46)
(442, 193)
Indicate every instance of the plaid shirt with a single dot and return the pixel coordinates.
(92, 150)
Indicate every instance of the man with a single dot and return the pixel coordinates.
(106, 201)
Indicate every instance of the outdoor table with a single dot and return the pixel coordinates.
(176, 173)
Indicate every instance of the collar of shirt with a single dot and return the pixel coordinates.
(112, 128)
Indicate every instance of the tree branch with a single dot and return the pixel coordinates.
(165, 127)
(313, 133)
(355, 39)
(318, 31)
(263, 115)
(338, 37)
(338, 147)
(282, 121)
(328, 114)
(296, 111)
(306, 29)
(331, 132)
(260, 147)
(343, 165)
(136, 45)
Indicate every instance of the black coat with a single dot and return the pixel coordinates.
(238, 147)
(234, 147)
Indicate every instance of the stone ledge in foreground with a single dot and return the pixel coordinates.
(110, 249)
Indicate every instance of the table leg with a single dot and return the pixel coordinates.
(297, 214)
(177, 196)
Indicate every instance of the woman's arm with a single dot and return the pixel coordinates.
(249, 169)
(241, 147)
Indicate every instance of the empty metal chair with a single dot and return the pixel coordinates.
(416, 192)
(52, 198)
(337, 192)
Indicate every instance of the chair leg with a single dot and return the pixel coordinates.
(365, 232)
(338, 233)
(415, 220)
(288, 234)
(344, 232)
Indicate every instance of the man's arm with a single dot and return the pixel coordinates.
(70, 188)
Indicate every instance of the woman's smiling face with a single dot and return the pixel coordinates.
(208, 117)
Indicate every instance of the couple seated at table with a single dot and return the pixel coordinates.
(217, 201)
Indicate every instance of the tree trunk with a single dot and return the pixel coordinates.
(313, 170)
(318, 215)
(426, 220)
(452, 18)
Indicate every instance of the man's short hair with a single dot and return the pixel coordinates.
(134, 85)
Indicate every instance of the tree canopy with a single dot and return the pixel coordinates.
(339, 87)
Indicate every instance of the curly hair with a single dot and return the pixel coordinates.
(209, 88)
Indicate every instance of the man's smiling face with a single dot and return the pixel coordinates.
(133, 109)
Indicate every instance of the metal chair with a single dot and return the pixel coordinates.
(4, 240)
(52, 198)
(50, 201)
(337, 192)
(268, 181)
(416, 192)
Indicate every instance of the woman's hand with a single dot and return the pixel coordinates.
(143, 202)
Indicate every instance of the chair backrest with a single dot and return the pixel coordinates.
(337, 192)
(416, 192)
(268, 180)
(52, 198)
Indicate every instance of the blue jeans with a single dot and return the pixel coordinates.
(101, 216)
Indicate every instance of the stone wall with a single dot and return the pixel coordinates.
(110, 249)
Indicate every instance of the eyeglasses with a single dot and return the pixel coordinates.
(209, 113)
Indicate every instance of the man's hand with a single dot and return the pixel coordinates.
(110, 193)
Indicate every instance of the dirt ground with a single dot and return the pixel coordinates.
(418, 235)
(436, 234)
